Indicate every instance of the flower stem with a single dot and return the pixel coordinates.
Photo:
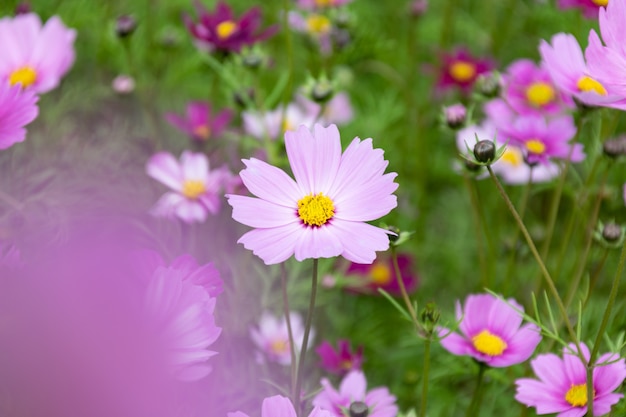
(292, 346)
(522, 211)
(305, 339)
(405, 295)
(590, 390)
(594, 279)
(474, 406)
(425, 371)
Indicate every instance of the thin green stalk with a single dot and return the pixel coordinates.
(305, 339)
(292, 345)
(522, 210)
(482, 259)
(405, 294)
(554, 208)
(425, 372)
(594, 279)
(474, 406)
(590, 390)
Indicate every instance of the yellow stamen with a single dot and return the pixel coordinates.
(193, 189)
(462, 71)
(602, 3)
(535, 146)
(287, 126)
(513, 156)
(577, 395)
(488, 343)
(539, 94)
(315, 210)
(589, 84)
(318, 24)
(25, 76)
(203, 132)
(346, 364)
(380, 273)
(279, 347)
(226, 29)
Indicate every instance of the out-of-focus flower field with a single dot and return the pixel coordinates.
(315, 208)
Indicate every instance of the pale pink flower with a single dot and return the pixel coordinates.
(271, 124)
(271, 337)
(17, 109)
(338, 110)
(33, 56)
(123, 84)
(279, 406)
(323, 213)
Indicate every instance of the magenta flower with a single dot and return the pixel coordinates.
(271, 337)
(195, 191)
(323, 213)
(17, 109)
(461, 69)
(562, 384)
(279, 406)
(530, 90)
(35, 57)
(564, 60)
(490, 332)
(589, 8)
(199, 123)
(342, 360)
(321, 4)
(222, 31)
(368, 278)
(353, 388)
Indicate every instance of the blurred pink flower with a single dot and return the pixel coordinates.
(368, 278)
(271, 337)
(323, 213)
(279, 406)
(353, 388)
(342, 360)
(35, 57)
(562, 383)
(338, 110)
(224, 32)
(199, 123)
(123, 84)
(196, 189)
(321, 4)
(271, 123)
(316, 25)
(589, 8)
(17, 109)
(490, 332)
(460, 69)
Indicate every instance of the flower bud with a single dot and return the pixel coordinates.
(611, 232)
(485, 151)
(614, 148)
(358, 409)
(489, 85)
(455, 116)
(471, 167)
(123, 84)
(322, 91)
(393, 237)
(23, 7)
(418, 8)
(125, 25)
(430, 317)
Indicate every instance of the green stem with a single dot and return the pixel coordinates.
(405, 294)
(522, 211)
(596, 275)
(305, 339)
(482, 259)
(474, 406)
(292, 345)
(447, 25)
(425, 372)
(590, 390)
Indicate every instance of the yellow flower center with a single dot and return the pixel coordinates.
(203, 132)
(539, 94)
(287, 126)
(226, 29)
(488, 343)
(193, 189)
(315, 210)
(577, 395)
(589, 84)
(324, 3)
(346, 364)
(513, 156)
(25, 76)
(535, 146)
(600, 2)
(279, 347)
(318, 24)
(462, 71)
(380, 273)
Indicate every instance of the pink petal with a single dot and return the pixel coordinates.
(277, 406)
(164, 167)
(455, 343)
(195, 166)
(270, 183)
(273, 245)
(353, 386)
(318, 242)
(360, 241)
(255, 212)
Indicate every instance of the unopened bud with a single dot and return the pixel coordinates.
(418, 8)
(614, 148)
(455, 116)
(396, 234)
(430, 317)
(612, 232)
(489, 85)
(485, 151)
(123, 84)
(358, 409)
(125, 25)
(322, 91)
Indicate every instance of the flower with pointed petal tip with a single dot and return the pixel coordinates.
(368, 278)
(562, 383)
(271, 337)
(461, 69)
(35, 56)
(342, 360)
(279, 406)
(198, 122)
(17, 109)
(323, 213)
(490, 332)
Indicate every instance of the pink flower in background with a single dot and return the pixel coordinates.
(589, 8)
(316, 25)
(342, 360)
(323, 213)
(33, 56)
(271, 337)
(321, 4)
(196, 190)
(564, 60)
(224, 32)
(17, 109)
(272, 124)
(368, 278)
(530, 90)
(490, 332)
(461, 69)
(198, 122)
(353, 388)
(562, 383)
(279, 406)
(338, 110)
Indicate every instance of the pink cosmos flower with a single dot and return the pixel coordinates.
(461, 69)
(353, 388)
(279, 406)
(490, 332)
(323, 213)
(17, 109)
(342, 360)
(199, 123)
(271, 337)
(589, 8)
(338, 110)
(321, 4)
(564, 60)
(368, 278)
(562, 384)
(530, 90)
(35, 57)
(195, 189)
(271, 123)
(316, 25)
(222, 31)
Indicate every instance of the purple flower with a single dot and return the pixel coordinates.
(271, 337)
(342, 360)
(35, 57)
(195, 191)
(222, 31)
(461, 69)
(353, 388)
(323, 213)
(199, 123)
(490, 332)
(380, 274)
(588, 7)
(17, 109)
(562, 383)
(279, 406)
